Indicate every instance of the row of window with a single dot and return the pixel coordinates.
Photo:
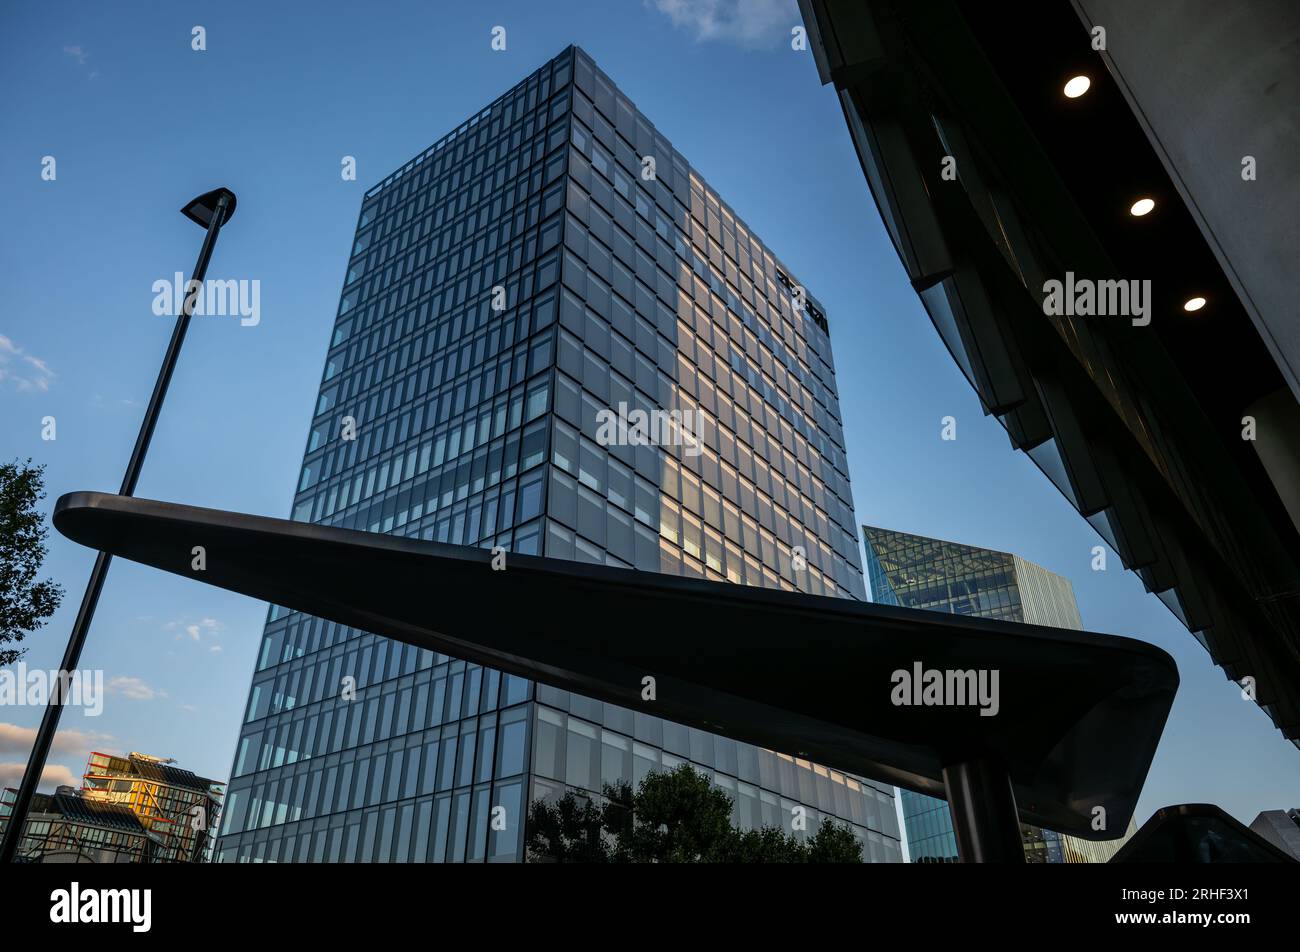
(473, 405)
(463, 459)
(444, 691)
(471, 136)
(290, 635)
(448, 828)
(405, 356)
(515, 129)
(504, 246)
(55, 836)
(458, 755)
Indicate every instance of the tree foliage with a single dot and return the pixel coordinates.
(673, 817)
(25, 603)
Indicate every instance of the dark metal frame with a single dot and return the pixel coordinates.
(1079, 716)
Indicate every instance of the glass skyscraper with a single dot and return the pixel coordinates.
(918, 572)
(550, 262)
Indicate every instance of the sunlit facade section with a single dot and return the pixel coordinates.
(177, 808)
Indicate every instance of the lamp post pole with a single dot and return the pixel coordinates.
(210, 210)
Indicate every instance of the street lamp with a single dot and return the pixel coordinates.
(210, 211)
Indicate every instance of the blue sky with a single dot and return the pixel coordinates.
(138, 123)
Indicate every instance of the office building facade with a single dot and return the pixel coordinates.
(918, 572)
(551, 265)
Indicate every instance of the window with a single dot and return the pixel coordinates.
(537, 399)
(530, 498)
(512, 733)
(581, 754)
(548, 746)
(533, 446)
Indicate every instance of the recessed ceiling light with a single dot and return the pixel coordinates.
(1194, 304)
(1141, 207)
(1077, 86)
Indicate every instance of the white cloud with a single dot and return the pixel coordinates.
(71, 746)
(25, 371)
(11, 775)
(752, 24)
(134, 688)
(19, 740)
(78, 53)
(195, 631)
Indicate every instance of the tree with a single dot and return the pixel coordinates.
(674, 817)
(569, 831)
(24, 602)
(834, 843)
(679, 817)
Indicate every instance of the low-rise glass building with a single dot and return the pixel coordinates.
(918, 572)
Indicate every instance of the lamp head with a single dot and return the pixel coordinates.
(200, 210)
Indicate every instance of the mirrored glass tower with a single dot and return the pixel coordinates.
(553, 337)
